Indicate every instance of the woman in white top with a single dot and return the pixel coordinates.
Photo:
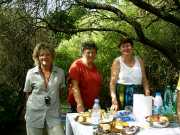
(127, 76)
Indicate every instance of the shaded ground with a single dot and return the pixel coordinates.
(19, 128)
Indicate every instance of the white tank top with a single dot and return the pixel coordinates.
(130, 75)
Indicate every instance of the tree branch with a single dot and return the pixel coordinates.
(5, 1)
(168, 53)
(141, 37)
(75, 30)
(177, 3)
(154, 20)
(72, 31)
(162, 14)
(119, 13)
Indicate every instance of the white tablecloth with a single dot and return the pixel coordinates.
(75, 128)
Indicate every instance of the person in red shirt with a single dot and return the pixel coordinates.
(84, 80)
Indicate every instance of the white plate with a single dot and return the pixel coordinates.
(131, 130)
(160, 124)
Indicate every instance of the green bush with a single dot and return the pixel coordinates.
(9, 102)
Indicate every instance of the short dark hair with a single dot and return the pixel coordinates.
(125, 40)
(89, 45)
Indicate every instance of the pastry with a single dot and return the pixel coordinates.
(86, 114)
(153, 118)
(80, 119)
(163, 119)
(157, 118)
(88, 119)
(105, 127)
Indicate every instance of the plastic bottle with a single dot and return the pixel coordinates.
(175, 101)
(158, 103)
(168, 100)
(96, 114)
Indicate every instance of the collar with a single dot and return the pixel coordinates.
(36, 69)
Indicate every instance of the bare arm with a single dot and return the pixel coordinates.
(77, 96)
(144, 79)
(115, 68)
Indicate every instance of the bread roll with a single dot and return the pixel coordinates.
(88, 119)
(105, 127)
(163, 119)
(80, 119)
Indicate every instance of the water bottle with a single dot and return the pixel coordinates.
(158, 103)
(168, 100)
(174, 101)
(96, 114)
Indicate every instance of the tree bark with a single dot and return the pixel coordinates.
(157, 12)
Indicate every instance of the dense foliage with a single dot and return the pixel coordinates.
(9, 102)
(153, 25)
(15, 58)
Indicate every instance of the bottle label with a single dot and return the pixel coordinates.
(157, 110)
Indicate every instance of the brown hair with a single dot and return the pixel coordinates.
(88, 45)
(125, 40)
(38, 48)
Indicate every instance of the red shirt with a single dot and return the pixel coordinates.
(89, 83)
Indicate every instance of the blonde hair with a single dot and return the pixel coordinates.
(39, 47)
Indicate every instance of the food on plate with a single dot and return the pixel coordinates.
(88, 119)
(85, 117)
(153, 118)
(163, 119)
(105, 127)
(157, 118)
(85, 114)
(158, 121)
(119, 124)
(81, 119)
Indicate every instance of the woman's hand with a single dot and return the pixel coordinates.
(115, 69)
(80, 108)
(114, 105)
(147, 92)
